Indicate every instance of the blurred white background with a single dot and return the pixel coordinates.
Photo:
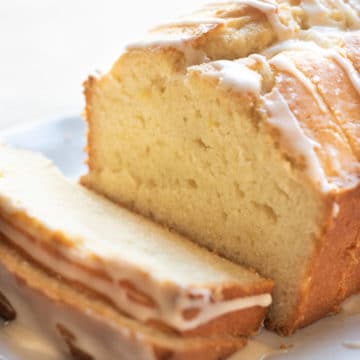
(48, 48)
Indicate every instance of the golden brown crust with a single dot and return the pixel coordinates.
(324, 126)
(339, 96)
(242, 29)
(352, 48)
(333, 271)
(352, 51)
(55, 294)
(89, 86)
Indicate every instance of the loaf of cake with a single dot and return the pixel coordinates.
(239, 127)
(73, 246)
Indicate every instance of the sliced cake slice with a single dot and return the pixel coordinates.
(63, 322)
(139, 267)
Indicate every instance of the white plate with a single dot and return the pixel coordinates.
(63, 141)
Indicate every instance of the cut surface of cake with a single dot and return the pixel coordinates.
(239, 127)
(138, 267)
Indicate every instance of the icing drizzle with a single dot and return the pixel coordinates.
(335, 55)
(326, 13)
(281, 62)
(271, 10)
(283, 119)
(165, 36)
(233, 74)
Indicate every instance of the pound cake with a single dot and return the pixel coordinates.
(137, 267)
(239, 127)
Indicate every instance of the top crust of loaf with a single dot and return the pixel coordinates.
(235, 29)
(320, 66)
(225, 31)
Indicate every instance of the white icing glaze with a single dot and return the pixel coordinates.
(335, 210)
(193, 21)
(176, 40)
(326, 13)
(180, 40)
(261, 59)
(212, 311)
(292, 44)
(317, 13)
(293, 138)
(283, 63)
(321, 14)
(347, 66)
(351, 11)
(233, 74)
(335, 55)
(355, 4)
(271, 10)
(335, 159)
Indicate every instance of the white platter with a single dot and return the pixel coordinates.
(63, 141)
